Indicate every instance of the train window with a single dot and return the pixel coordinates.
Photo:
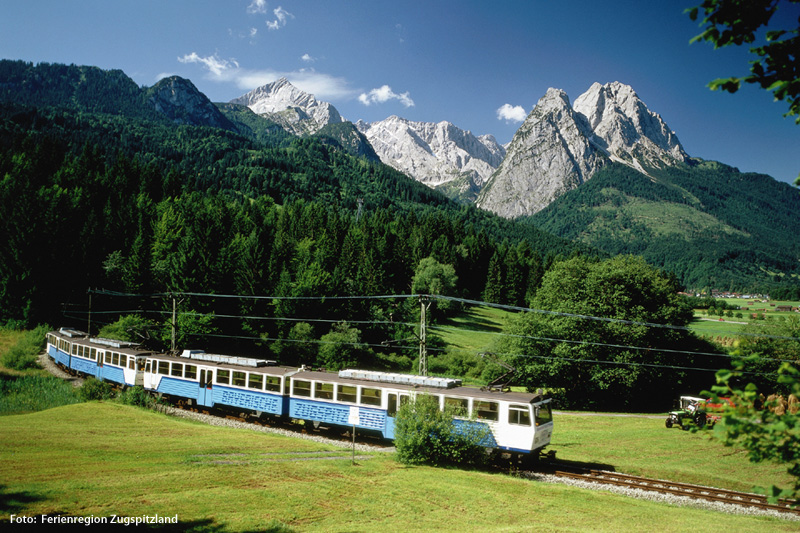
(274, 383)
(163, 367)
(370, 396)
(519, 415)
(132, 363)
(323, 391)
(115, 359)
(190, 372)
(239, 379)
(147, 367)
(93, 354)
(177, 370)
(301, 388)
(460, 406)
(74, 349)
(255, 381)
(542, 413)
(224, 377)
(108, 358)
(486, 410)
(346, 393)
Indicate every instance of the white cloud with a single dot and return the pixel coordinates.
(257, 6)
(384, 94)
(322, 86)
(281, 17)
(511, 113)
(308, 58)
(218, 67)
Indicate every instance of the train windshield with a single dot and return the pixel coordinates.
(542, 413)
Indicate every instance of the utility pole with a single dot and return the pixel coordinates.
(174, 322)
(424, 304)
(89, 325)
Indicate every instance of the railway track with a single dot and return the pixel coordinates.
(697, 492)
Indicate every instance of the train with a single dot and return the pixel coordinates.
(518, 423)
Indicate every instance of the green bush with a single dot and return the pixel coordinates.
(426, 435)
(455, 362)
(137, 396)
(94, 389)
(25, 352)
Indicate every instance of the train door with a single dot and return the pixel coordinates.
(205, 394)
(517, 428)
(395, 400)
(139, 375)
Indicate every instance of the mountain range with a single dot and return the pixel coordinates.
(704, 221)
(605, 170)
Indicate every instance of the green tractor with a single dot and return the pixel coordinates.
(691, 411)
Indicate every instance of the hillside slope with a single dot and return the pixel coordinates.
(707, 222)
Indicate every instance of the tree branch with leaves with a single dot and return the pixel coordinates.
(776, 66)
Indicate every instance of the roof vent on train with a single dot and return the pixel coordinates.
(70, 332)
(403, 379)
(113, 343)
(200, 355)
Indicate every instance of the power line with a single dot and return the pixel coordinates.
(595, 318)
(627, 363)
(605, 345)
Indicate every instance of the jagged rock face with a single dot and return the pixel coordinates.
(549, 155)
(625, 128)
(180, 100)
(560, 146)
(297, 111)
(434, 153)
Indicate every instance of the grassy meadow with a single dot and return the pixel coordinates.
(727, 328)
(99, 459)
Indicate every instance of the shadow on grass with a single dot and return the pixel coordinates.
(16, 503)
(67, 522)
(475, 323)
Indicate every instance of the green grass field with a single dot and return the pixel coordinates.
(475, 330)
(99, 459)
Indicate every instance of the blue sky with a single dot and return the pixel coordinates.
(463, 61)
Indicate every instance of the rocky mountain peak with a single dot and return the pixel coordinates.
(560, 146)
(625, 128)
(296, 110)
(549, 155)
(183, 103)
(438, 154)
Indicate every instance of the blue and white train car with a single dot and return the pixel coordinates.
(109, 360)
(214, 380)
(516, 422)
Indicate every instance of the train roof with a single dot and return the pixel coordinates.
(457, 391)
(273, 370)
(80, 337)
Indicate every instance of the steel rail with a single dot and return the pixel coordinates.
(689, 490)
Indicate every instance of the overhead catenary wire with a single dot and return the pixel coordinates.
(448, 298)
(435, 297)
(606, 345)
